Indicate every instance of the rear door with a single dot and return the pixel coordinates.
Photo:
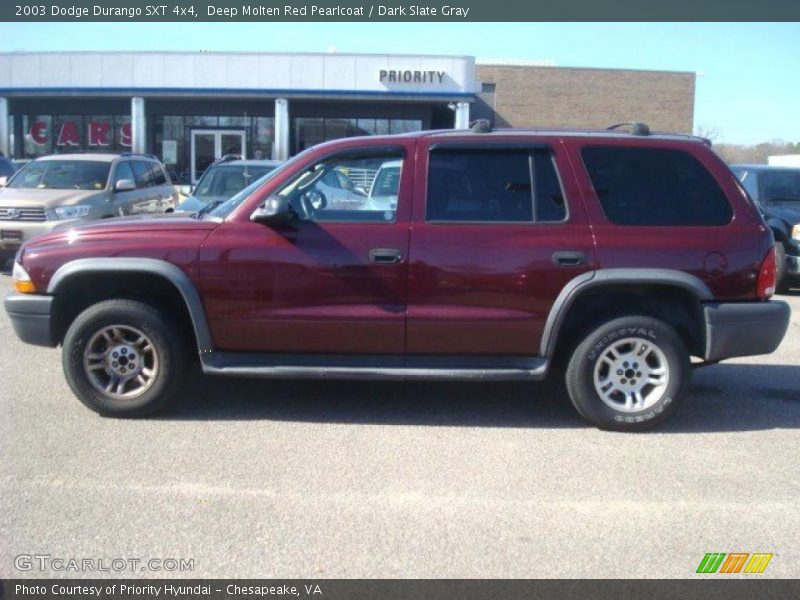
(123, 201)
(498, 230)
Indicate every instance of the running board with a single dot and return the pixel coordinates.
(389, 367)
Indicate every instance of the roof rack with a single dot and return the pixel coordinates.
(481, 126)
(635, 128)
(227, 158)
(138, 154)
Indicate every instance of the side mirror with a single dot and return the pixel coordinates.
(185, 190)
(275, 209)
(3, 181)
(125, 185)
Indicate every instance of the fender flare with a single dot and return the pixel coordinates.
(602, 277)
(151, 266)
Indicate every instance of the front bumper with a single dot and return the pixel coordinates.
(745, 328)
(32, 318)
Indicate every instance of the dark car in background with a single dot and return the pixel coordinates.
(776, 192)
(223, 179)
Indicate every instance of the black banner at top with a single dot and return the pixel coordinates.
(397, 11)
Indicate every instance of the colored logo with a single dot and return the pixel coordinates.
(734, 562)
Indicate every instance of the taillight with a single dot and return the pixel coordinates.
(767, 276)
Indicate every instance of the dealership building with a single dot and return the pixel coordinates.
(189, 108)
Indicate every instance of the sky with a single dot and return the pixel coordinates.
(748, 84)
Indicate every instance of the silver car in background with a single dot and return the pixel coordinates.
(66, 188)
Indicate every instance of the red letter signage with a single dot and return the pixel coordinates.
(125, 136)
(38, 133)
(69, 135)
(98, 134)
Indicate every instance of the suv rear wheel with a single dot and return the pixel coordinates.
(123, 358)
(629, 374)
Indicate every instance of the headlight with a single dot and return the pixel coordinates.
(76, 211)
(796, 232)
(21, 280)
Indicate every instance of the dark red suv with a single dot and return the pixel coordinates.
(610, 256)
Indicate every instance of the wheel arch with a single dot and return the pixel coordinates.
(172, 276)
(624, 283)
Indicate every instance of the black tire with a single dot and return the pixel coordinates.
(168, 347)
(781, 280)
(597, 346)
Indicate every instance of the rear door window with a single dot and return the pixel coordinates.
(142, 172)
(655, 187)
(493, 185)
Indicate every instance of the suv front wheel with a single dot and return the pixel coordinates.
(123, 358)
(629, 374)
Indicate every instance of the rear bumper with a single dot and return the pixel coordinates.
(744, 329)
(31, 317)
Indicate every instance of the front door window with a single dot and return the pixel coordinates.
(209, 145)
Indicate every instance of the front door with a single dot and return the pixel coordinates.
(209, 145)
(331, 280)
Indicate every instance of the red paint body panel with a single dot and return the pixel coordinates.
(725, 258)
(170, 238)
(488, 288)
(461, 288)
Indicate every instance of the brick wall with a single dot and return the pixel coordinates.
(528, 96)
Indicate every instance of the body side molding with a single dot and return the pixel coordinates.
(384, 367)
(593, 279)
(152, 266)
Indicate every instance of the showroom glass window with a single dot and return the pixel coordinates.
(308, 131)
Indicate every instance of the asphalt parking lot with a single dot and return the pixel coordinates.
(309, 479)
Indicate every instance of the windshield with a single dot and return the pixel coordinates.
(226, 181)
(227, 207)
(62, 175)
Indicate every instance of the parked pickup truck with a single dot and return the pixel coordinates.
(611, 257)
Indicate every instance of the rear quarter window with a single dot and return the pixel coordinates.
(655, 187)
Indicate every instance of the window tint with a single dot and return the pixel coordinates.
(550, 204)
(335, 190)
(655, 186)
(479, 185)
(142, 172)
(123, 171)
(781, 186)
(493, 186)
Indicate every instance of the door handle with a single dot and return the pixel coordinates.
(385, 256)
(569, 259)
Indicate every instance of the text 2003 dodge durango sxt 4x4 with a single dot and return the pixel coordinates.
(506, 255)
